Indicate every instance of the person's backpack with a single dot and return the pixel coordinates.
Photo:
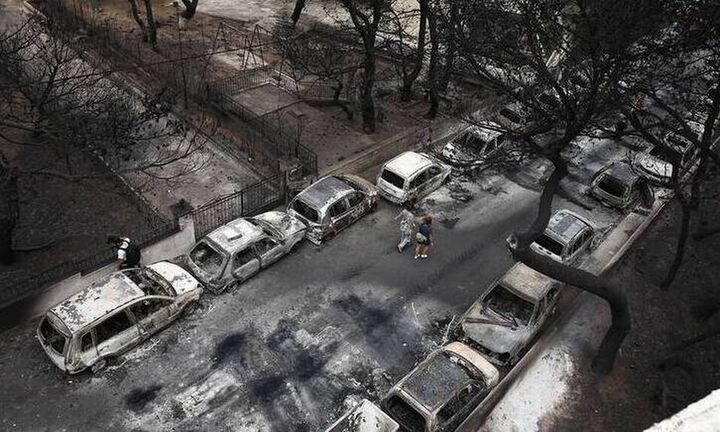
(132, 254)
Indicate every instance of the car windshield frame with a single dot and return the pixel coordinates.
(550, 244)
(613, 182)
(141, 275)
(47, 322)
(392, 180)
(211, 247)
(302, 211)
(500, 295)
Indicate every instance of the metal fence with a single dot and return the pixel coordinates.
(92, 261)
(261, 196)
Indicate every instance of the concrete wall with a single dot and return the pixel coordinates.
(165, 249)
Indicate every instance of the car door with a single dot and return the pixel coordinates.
(435, 178)
(244, 264)
(416, 186)
(269, 250)
(152, 314)
(116, 334)
(358, 205)
(339, 213)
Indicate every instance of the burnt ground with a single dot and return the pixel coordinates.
(667, 361)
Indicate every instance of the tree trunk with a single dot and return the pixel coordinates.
(299, 6)
(138, 20)
(151, 29)
(447, 66)
(409, 79)
(432, 72)
(614, 294)
(680, 248)
(367, 104)
(338, 102)
(190, 9)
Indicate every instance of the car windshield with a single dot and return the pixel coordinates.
(207, 258)
(405, 414)
(511, 115)
(305, 211)
(393, 178)
(149, 282)
(612, 186)
(508, 305)
(472, 142)
(550, 244)
(53, 338)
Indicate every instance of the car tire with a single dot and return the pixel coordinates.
(99, 366)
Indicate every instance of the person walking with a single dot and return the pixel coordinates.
(128, 253)
(407, 226)
(424, 238)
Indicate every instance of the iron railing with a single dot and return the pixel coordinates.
(261, 196)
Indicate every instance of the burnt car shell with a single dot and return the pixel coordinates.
(80, 314)
(504, 333)
(417, 402)
(312, 205)
(615, 185)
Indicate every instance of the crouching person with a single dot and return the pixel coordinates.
(128, 253)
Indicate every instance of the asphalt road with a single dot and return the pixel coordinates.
(286, 349)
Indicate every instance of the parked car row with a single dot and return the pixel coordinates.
(123, 309)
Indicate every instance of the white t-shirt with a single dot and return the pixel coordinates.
(121, 253)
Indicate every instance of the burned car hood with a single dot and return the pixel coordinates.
(654, 166)
(181, 281)
(499, 338)
(283, 222)
(456, 154)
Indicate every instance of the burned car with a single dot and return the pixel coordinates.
(239, 249)
(411, 176)
(565, 238)
(333, 203)
(441, 391)
(506, 319)
(657, 163)
(115, 314)
(473, 146)
(618, 186)
(365, 417)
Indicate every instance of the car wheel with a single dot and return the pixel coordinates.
(99, 366)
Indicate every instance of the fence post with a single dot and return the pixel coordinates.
(242, 202)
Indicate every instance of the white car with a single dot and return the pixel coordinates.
(657, 163)
(565, 238)
(241, 248)
(441, 391)
(410, 176)
(115, 314)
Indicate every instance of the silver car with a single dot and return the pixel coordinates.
(618, 186)
(411, 176)
(505, 320)
(441, 391)
(115, 314)
(566, 237)
(473, 146)
(237, 250)
(333, 203)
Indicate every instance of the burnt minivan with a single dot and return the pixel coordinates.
(115, 314)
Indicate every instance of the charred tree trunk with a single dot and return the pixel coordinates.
(341, 104)
(409, 79)
(519, 244)
(190, 9)
(151, 28)
(9, 209)
(686, 214)
(432, 70)
(448, 65)
(138, 20)
(297, 11)
(367, 104)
